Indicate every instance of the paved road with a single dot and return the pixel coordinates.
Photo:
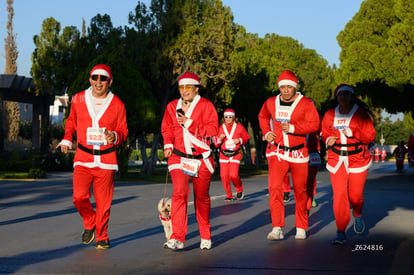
(40, 231)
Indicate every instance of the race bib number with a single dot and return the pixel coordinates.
(314, 159)
(229, 144)
(283, 114)
(95, 136)
(190, 166)
(341, 123)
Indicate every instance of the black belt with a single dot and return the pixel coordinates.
(230, 153)
(286, 148)
(96, 152)
(184, 155)
(346, 153)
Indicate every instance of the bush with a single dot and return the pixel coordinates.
(36, 173)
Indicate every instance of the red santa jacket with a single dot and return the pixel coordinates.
(351, 149)
(193, 138)
(82, 116)
(234, 131)
(303, 118)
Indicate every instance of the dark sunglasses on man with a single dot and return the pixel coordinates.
(103, 78)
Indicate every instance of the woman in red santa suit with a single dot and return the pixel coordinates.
(230, 138)
(347, 130)
(98, 119)
(187, 126)
(293, 117)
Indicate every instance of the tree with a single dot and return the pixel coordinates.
(376, 55)
(204, 45)
(11, 117)
(256, 64)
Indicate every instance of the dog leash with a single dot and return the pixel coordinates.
(165, 187)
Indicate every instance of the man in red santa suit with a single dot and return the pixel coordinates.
(187, 126)
(347, 129)
(293, 116)
(98, 118)
(230, 138)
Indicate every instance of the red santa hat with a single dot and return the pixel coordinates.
(343, 88)
(229, 112)
(102, 69)
(287, 78)
(188, 78)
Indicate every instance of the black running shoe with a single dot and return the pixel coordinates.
(240, 196)
(88, 236)
(102, 245)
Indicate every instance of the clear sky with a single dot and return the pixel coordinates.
(314, 23)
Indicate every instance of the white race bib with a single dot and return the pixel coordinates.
(95, 136)
(229, 144)
(283, 114)
(190, 166)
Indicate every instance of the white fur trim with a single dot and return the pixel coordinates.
(345, 88)
(100, 72)
(287, 82)
(188, 81)
(229, 114)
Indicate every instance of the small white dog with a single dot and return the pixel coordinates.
(164, 209)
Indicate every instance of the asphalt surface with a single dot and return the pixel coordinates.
(40, 231)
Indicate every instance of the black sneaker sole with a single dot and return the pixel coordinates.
(90, 241)
(102, 247)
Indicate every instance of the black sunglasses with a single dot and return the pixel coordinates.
(101, 77)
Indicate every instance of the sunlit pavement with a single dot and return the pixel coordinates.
(40, 231)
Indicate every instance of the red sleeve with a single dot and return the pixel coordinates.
(121, 125)
(167, 127)
(70, 124)
(265, 115)
(244, 134)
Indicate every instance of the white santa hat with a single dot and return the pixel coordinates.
(287, 78)
(188, 78)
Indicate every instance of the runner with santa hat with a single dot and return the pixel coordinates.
(187, 126)
(347, 130)
(98, 118)
(230, 138)
(293, 116)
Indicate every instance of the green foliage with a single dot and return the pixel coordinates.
(36, 173)
(377, 46)
(393, 132)
(171, 36)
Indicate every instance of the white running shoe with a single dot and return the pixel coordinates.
(300, 234)
(276, 234)
(205, 244)
(174, 244)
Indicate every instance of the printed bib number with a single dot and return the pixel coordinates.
(190, 166)
(95, 136)
(314, 159)
(230, 145)
(283, 114)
